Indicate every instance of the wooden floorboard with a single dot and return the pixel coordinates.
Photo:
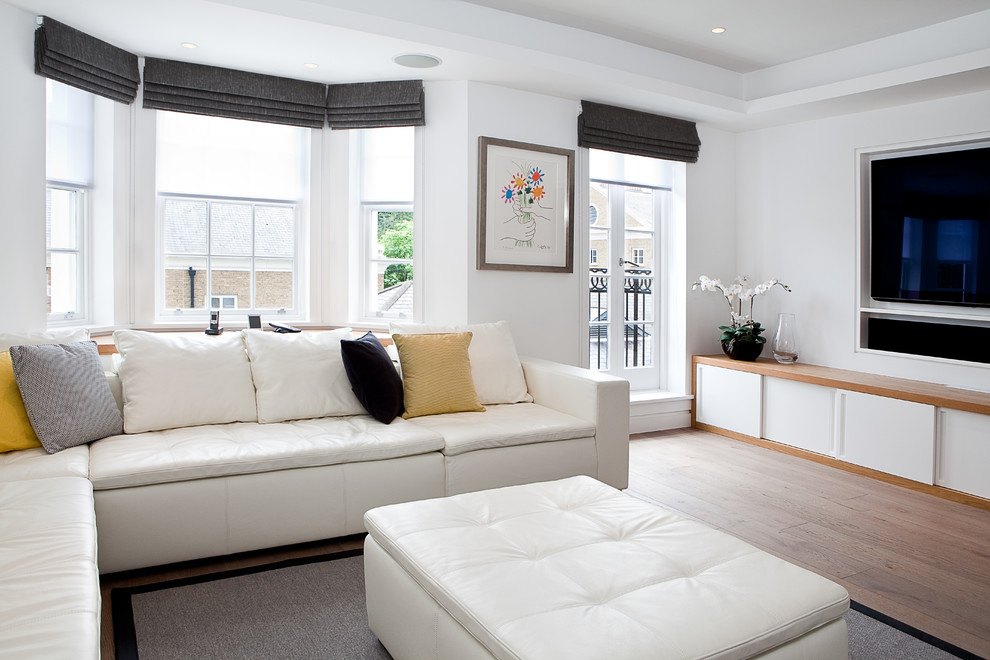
(921, 559)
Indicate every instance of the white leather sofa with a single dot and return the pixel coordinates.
(196, 474)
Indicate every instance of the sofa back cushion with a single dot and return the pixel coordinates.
(170, 381)
(300, 375)
(495, 367)
(56, 336)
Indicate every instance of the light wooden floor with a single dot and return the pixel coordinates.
(918, 558)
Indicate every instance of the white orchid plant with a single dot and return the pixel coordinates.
(743, 328)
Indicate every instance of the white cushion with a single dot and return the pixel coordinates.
(300, 375)
(56, 336)
(226, 449)
(49, 582)
(504, 425)
(170, 381)
(495, 367)
(583, 571)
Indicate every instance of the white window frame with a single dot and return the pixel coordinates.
(649, 377)
(368, 284)
(80, 208)
(294, 313)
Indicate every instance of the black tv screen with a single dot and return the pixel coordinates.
(930, 228)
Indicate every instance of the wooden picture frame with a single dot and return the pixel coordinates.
(525, 206)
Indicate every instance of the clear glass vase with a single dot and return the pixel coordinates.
(785, 342)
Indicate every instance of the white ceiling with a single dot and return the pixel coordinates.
(778, 61)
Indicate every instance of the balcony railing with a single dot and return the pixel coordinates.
(637, 316)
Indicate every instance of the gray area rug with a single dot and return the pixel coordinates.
(315, 608)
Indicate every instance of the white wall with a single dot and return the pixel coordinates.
(711, 238)
(797, 205)
(22, 177)
(541, 308)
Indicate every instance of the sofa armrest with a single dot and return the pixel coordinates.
(595, 397)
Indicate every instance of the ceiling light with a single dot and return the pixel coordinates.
(718, 30)
(417, 60)
(188, 44)
(311, 65)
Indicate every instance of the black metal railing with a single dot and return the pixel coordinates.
(637, 308)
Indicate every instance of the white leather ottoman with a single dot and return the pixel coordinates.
(576, 570)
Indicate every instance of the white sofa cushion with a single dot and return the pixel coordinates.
(36, 463)
(300, 375)
(49, 582)
(504, 425)
(584, 572)
(170, 381)
(57, 336)
(495, 367)
(226, 449)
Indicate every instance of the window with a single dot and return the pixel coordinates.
(231, 200)
(69, 173)
(387, 225)
(631, 195)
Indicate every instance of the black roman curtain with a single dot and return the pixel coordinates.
(75, 58)
(210, 90)
(638, 133)
(376, 104)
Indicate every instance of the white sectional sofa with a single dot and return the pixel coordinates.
(236, 443)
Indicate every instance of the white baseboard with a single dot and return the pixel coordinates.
(659, 412)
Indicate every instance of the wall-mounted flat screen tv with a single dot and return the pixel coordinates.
(930, 227)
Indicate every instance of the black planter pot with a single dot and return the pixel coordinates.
(746, 351)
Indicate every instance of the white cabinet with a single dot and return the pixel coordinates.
(964, 452)
(799, 414)
(729, 399)
(890, 435)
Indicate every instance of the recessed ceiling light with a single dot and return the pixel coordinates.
(417, 60)
(188, 44)
(311, 65)
(718, 30)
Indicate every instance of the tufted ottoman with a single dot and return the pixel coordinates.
(575, 570)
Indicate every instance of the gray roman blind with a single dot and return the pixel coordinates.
(376, 104)
(638, 133)
(210, 90)
(75, 58)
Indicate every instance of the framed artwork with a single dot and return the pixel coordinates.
(525, 206)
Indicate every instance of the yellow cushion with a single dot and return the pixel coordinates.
(15, 427)
(436, 374)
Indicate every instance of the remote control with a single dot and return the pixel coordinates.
(279, 327)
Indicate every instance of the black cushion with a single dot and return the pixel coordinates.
(373, 377)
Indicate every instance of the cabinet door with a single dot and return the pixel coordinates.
(964, 452)
(729, 399)
(889, 435)
(799, 414)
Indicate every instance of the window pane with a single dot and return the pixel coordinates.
(230, 229)
(639, 344)
(274, 231)
(612, 166)
(394, 234)
(273, 283)
(599, 346)
(222, 157)
(62, 229)
(69, 134)
(185, 282)
(387, 164)
(186, 226)
(63, 270)
(231, 277)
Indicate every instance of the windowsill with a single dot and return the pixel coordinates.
(652, 396)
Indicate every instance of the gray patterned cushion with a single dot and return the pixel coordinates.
(66, 394)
